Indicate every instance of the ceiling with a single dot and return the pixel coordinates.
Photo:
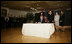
(36, 5)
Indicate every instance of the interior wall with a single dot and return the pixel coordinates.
(67, 18)
(19, 13)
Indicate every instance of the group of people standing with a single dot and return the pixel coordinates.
(57, 19)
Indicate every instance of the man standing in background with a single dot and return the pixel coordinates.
(62, 18)
(41, 17)
(50, 17)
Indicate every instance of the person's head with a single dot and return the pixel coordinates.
(56, 13)
(62, 12)
(50, 12)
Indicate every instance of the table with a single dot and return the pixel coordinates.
(44, 30)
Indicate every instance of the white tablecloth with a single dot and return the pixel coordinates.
(44, 30)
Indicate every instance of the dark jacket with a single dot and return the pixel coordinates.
(50, 18)
(62, 18)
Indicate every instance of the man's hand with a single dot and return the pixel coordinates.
(61, 21)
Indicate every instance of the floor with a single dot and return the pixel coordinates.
(14, 35)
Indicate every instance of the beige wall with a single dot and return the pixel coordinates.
(18, 13)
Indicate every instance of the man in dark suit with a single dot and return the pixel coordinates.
(62, 18)
(50, 17)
